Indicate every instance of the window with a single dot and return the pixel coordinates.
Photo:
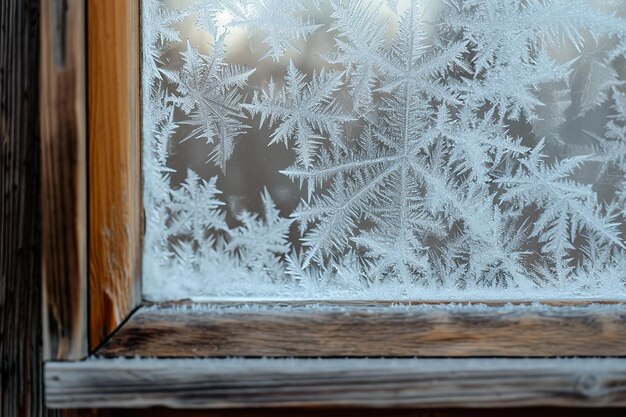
(384, 150)
(233, 353)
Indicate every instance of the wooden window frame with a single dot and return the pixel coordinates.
(175, 354)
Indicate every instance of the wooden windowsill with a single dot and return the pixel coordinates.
(369, 329)
(365, 354)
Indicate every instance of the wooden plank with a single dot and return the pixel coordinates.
(115, 208)
(369, 412)
(218, 383)
(21, 370)
(374, 329)
(63, 179)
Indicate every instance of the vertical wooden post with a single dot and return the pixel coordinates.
(63, 176)
(115, 208)
(21, 383)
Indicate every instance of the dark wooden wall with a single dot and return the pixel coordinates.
(20, 287)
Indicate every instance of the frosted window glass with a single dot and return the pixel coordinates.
(458, 149)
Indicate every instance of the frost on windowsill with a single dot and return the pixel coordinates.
(345, 149)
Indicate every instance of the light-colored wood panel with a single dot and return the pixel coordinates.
(364, 329)
(63, 179)
(217, 383)
(115, 208)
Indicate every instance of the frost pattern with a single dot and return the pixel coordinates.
(439, 149)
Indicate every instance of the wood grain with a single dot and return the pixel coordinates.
(63, 179)
(218, 383)
(115, 208)
(362, 329)
(369, 412)
(21, 376)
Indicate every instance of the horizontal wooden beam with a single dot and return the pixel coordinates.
(218, 383)
(366, 412)
(371, 329)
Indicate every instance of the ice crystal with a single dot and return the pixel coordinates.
(441, 149)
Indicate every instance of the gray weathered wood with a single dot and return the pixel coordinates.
(360, 329)
(214, 383)
(371, 412)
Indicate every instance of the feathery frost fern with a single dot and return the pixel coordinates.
(440, 148)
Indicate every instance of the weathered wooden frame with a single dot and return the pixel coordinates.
(91, 285)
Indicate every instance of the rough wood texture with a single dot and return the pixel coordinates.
(21, 389)
(115, 223)
(206, 383)
(359, 329)
(63, 179)
(369, 412)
